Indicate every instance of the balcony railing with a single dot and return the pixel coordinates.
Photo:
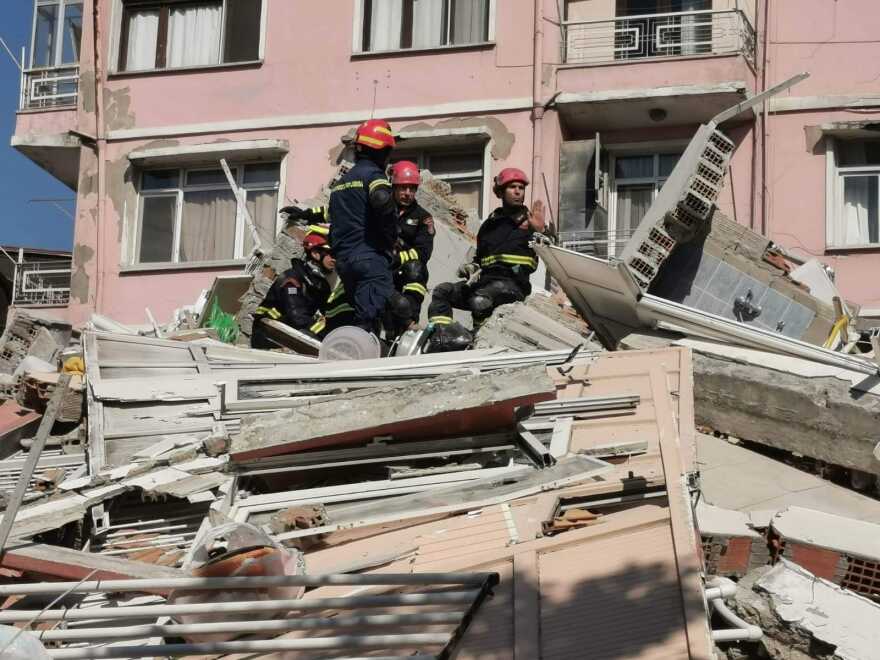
(649, 36)
(42, 283)
(49, 88)
(599, 243)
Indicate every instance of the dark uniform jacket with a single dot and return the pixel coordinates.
(503, 247)
(358, 228)
(415, 231)
(296, 296)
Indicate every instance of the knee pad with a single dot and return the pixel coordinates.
(414, 271)
(481, 306)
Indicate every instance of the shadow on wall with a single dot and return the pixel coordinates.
(633, 611)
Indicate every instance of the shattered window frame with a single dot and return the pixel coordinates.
(246, 16)
(242, 240)
(406, 38)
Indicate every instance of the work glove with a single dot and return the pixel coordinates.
(468, 270)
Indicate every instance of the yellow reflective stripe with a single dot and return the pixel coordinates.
(318, 229)
(510, 259)
(416, 287)
(366, 139)
(318, 325)
(339, 309)
(269, 311)
(317, 210)
(326, 213)
(440, 320)
(413, 254)
(338, 291)
(382, 129)
(379, 182)
(347, 186)
(404, 257)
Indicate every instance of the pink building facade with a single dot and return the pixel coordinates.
(133, 104)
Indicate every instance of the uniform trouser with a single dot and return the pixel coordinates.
(405, 304)
(480, 299)
(368, 286)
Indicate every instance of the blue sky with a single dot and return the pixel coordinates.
(23, 222)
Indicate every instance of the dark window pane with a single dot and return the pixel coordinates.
(208, 177)
(158, 179)
(72, 33)
(455, 163)
(44, 35)
(634, 167)
(667, 163)
(858, 152)
(242, 30)
(157, 229)
(207, 229)
(470, 21)
(263, 174)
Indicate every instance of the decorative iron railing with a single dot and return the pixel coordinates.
(42, 283)
(49, 88)
(678, 34)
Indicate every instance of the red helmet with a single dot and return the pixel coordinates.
(375, 134)
(509, 175)
(405, 173)
(315, 242)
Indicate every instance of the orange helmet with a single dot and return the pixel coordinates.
(375, 134)
(509, 175)
(405, 173)
(315, 242)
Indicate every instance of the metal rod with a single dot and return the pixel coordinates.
(255, 582)
(280, 626)
(30, 465)
(179, 650)
(152, 611)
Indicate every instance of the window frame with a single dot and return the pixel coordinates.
(835, 175)
(58, 37)
(615, 151)
(180, 191)
(118, 43)
(360, 31)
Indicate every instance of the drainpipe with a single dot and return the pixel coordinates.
(537, 105)
(765, 211)
(100, 147)
(717, 590)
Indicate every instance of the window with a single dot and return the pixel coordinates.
(855, 214)
(57, 33)
(462, 170)
(662, 28)
(192, 215)
(637, 180)
(402, 24)
(167, 34)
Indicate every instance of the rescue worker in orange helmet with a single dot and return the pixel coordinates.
(302, 297)
(415, 244)
(363, 231)
(501, 269)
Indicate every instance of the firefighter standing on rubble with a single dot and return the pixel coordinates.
(363, 232)
(501, 269)
(302, 297)
(415, 244)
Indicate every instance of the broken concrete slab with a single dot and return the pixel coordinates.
(798, 611)
(442, 407)
(823, 530)
(527, 327)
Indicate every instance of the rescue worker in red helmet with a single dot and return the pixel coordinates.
(363, 231)
(415, 244)
(302, 298)
(501, 268)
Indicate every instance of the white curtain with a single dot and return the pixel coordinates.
(263, 208)
(385, 22)
(856, 202)
(207, 229)
(194, 36)
(632, 205)
(427, 23)
(143, 31)
(469, 21)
